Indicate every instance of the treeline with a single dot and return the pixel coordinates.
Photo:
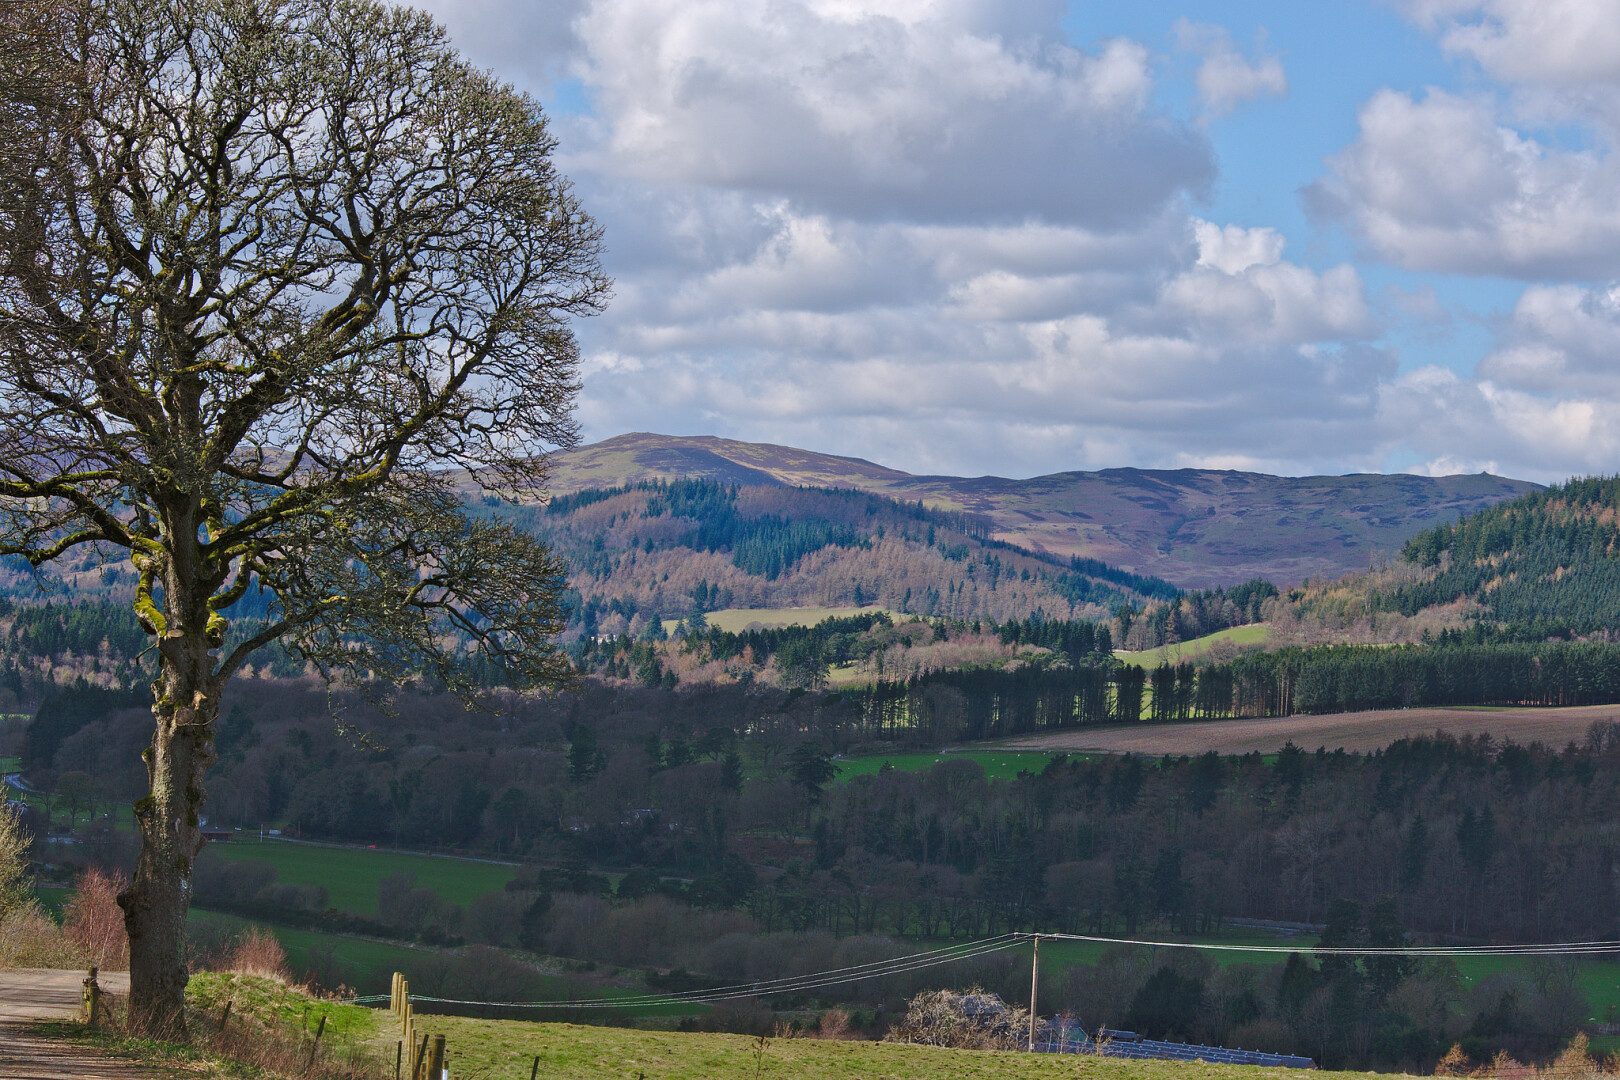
(1351, 678)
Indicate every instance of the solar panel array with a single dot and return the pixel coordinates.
(1126, 1044)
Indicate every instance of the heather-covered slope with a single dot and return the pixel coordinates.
(1194, 527)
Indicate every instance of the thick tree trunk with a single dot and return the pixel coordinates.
(159, 893)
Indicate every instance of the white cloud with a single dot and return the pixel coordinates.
(1562, 339)
(933, 233)
(1554, 42)
(1226, 78)
(1232, 249)
(1438, 183)
(1180, 339)
(921, 111)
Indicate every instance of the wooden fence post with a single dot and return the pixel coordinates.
(418, 1059)
(316, 1045)
(92, 999)
(436, 1059)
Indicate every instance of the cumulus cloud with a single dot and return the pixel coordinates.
(935, 233)
(1226, 78)
(1554, 42)
(1437, 183)
(1465, 424)
(913, 111)
(1561, 340)
(1182, 338)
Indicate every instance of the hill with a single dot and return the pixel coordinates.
(655, 549)
(1194, 527)
(1546, 564)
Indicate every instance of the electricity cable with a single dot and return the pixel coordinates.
(813, 980)
(913, 962)
(1556, 948)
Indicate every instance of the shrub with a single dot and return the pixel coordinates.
(94, 922)
(29, 938)
(970, 1019)
(14, 841)
(257, 952)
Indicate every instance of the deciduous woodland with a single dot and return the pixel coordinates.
(777, 859)
(692, 777)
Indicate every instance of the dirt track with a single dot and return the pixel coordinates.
(1352, 731)
(32, 994)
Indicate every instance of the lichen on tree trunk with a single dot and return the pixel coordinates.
(169, 818)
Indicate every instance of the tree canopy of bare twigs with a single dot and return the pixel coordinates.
(275, 275)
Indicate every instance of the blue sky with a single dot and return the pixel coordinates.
(972, 237)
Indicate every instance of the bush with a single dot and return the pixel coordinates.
(970, 1019)
(14, 841)
(258, 953)
(29, 938)
(94, 922)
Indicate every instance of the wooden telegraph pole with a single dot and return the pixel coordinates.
(1034, 979)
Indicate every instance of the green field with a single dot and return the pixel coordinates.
(352, 875)
(1599, 980)
(735, 620)
(366, 965)
(370, 962)
(504, 1048)
(999, 764)
(1240, 636)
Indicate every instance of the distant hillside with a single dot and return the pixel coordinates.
(658, 549)
(1546, 564)
(1195, 527)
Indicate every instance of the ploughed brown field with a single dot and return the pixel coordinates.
(1359, 731)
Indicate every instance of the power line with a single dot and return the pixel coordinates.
(1557, 948)
(921, 961)
(834, 976)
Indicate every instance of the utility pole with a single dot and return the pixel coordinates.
(1034, 981)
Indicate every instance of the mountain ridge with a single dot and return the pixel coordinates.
(1198, 528)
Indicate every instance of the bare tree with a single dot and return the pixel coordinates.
(276, 276)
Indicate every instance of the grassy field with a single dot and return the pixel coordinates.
(733, 620)
(999, 764)
(352, 875)
(366, 965)
(1238, 636)
(503, 1048)
(1355, 732)
(367, 962)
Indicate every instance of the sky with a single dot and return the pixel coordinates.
(1015, 238)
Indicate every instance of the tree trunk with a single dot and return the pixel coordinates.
(159, 893)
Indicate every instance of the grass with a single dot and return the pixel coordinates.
(507, 1048)
(364, 961)
(735, 620)
(367, 965)
(353, 875)
(268, 1000)
(1598, 980)
(998, 764)
(1238, 636)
